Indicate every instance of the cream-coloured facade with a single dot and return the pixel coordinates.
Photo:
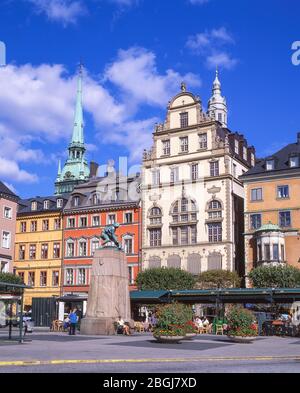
(192, 199)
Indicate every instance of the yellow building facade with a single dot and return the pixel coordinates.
(272, 209)
(38, 247)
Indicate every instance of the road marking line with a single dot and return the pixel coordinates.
(166, 360)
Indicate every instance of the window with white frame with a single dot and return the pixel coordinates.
(76, 201)
(44, 251)
(111, 219)
(45, 225)
(194, 171)
(174, 175)
(6, 238)
(32, 251)
(270, 165)
(56, 250)
(184, 120)
(71, 223)
(155, 237)
(33, 205)
(83, 222)
(184, 144)
(294, 162)
(96, 199)
(82, 248)
(252, 159)
(128, 218)
(215, 232)
(95, 245)
(96, 221)
(70, 248)
(43, 279)
(156, 177)
(7, 212)
(128, 245)
(46, 204)
(81, 278)
(69, 278)
(256, 194)
(214, 168)
(33, 226)
(55, 278)
(57, 223)
(23, 227)
(59, 203)
(203, 141)
(245, 153)
(166, 147)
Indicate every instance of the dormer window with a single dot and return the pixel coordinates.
(252, 160)
(236, 146)
(33, 205)
(96, 199)
(245, 153)
(46, 205)
(294, 162)
(270, 165)
(76, 201)
(59, 203)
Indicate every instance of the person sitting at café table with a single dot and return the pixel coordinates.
(123, 326)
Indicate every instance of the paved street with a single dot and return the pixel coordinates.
(58, 352)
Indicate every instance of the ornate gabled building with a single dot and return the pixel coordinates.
(75, 170)
(192, 198)
(272, 209)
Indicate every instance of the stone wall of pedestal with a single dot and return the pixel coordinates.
(108, 293)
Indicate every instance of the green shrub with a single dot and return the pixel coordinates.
(275, 277)
(218, 279)
(165, 279)
(241, 322)
(171, 319)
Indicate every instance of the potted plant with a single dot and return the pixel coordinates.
(241, 325)
(190, 330)
(171, 320)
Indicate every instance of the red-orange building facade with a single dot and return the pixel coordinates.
(84, 218)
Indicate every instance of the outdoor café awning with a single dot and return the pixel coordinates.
(206, 296)
(149, 297)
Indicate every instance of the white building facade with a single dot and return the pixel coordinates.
(192, 199)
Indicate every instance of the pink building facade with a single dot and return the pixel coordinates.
(8, 212)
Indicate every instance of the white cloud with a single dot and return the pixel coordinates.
(37, 105)
(210, 45)
(135, 73)
(10, 170)
(221, 59)
(64, 11)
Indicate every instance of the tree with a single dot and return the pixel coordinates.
(165, 278)
(275, 277)
(218, 279)
(10, 278)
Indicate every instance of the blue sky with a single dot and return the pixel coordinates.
(136, 53)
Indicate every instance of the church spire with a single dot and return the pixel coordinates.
(217, 106)
(77, 136)
(75, 170)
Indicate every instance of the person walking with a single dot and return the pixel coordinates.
(73, 321)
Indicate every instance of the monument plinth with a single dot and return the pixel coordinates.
(108, 294)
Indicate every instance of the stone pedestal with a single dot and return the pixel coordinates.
(108, 293)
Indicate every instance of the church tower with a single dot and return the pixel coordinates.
(217, 106)
(75, 170)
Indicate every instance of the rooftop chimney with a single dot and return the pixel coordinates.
(93, 169)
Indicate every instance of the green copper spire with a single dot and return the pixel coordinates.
(76, 169)
(77, 137)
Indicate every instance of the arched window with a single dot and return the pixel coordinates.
(155, 215)
(82, 247)
(154, 262)
(184, 222)
(214, 261)
(194, 264)
(214, 210)
(174, 261)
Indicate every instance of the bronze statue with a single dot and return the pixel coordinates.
(108, 235)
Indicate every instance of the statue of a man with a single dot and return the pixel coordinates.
(108, 235)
